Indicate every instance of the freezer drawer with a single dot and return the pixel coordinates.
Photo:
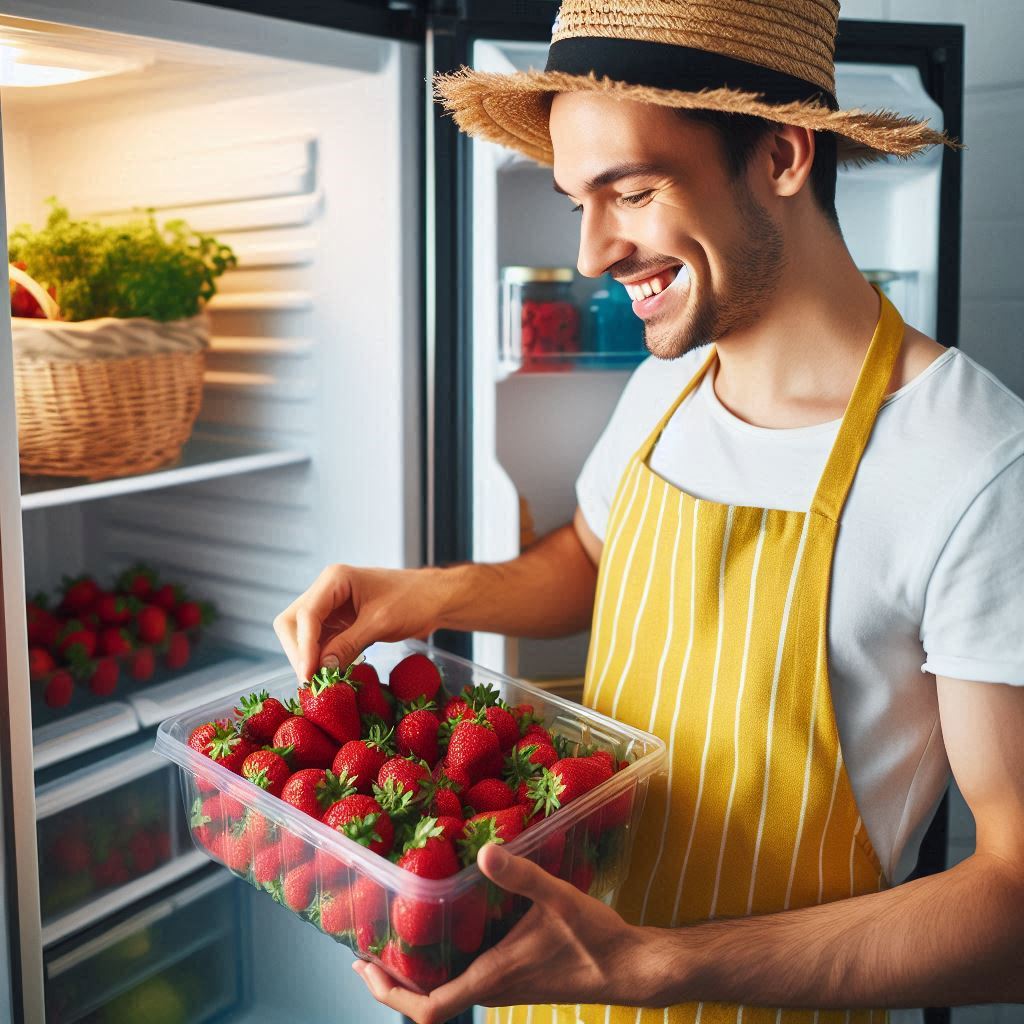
(107, 835)
(175, 961)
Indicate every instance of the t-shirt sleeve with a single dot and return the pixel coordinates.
(974, 602)
(642, 402)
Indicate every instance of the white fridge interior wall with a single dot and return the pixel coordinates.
(309, 173)
(532, 432)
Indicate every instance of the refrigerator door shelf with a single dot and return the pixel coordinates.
(94, 971)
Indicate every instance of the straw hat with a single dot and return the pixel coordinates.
(771, 58)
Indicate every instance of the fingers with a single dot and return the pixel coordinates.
(344, 648)
(383, 988)
(519, 875)
(298, 626)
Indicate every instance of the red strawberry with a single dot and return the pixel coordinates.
(200, 737)
(374, 702)
(538, 734)
(489, 795)
(58, 690)
(114, 641)
(427, 853)
(457, 708)
(193, 614)
(313, 790)
(312, 749)
(617, 811)
(474, 747)
(259, 830)
(142, 664)
(143, 853)
(606, 758)
(451, 826)
(229, 748)
(178, 651)
(299, 887)
(369, 909)
(469, 920)
(446, 803)
(151, 624)
(113, 610)
(566, 780)
(490, 827)
(40, 662)
(363, 820)
(504, 725)
(104, 677)
(363, 759)
(417, 735)
(408, 774)
(268, 769)
(138, 581)
(413, 968)
(166, 597)
(525, 760)
(43, 625)
(362, 674)
(453, 776)
(223, 808)
(236, 852)
(332, 912)
(415, 676)
(267, 865)
(260, 715)
(76, 640)
(329, 702)
(80, 595)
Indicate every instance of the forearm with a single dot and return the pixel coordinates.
(949, 939)
(546, 591)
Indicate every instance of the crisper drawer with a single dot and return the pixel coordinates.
(108, 835)
(175, 961)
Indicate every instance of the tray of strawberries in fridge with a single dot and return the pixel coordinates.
(360, 799)
(91, 642)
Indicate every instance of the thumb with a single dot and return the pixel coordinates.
(341, 650)
(517, 874)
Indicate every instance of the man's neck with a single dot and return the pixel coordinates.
(798, 364)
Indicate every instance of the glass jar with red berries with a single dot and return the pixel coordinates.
(540, 322)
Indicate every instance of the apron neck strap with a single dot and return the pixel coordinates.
(859, 418)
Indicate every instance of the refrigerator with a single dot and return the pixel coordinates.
(355, 410)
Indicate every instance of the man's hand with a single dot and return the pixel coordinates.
(568, 948)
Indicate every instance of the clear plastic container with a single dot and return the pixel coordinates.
(587, 842)
(540, 321)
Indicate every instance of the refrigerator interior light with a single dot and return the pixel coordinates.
(31, 64)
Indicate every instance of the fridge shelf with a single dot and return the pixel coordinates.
(95, 727)
(203, 458)
(575, 362)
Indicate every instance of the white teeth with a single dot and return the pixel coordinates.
(647, 289)
(656, 286)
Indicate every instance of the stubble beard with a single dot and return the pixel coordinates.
(752, 270)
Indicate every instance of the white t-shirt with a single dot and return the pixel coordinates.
(929, 560)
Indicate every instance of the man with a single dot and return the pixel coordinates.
(814, 682)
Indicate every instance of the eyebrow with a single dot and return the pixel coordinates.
(613, 174)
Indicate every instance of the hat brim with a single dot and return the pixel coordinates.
(513, 110)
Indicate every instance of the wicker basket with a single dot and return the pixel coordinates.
(104, 398)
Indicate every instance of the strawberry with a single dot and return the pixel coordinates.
(267, 865)
(369, 909)
(490, 827)
(566, 780)
(236, 852)
(205, 826)
(260, 715)
(138, 581)
(446, 803)
(332, 912)
(363, 674)
(457, 708)
(59, 689)
(417, 735)
(142, 664)
(453, 777)
(43, 625)
(407, 772)
(363, 820)
(268, 769)
(414, 676)
(538, 734)
(451, 826)
(113, 609)
(114, 641)
(223, 808)
(427, 853)
(258, 830)
(525, 760)
(374, 702)
(313, 790)
(469, 920)
(617, 811)
(474, 747)
(166, 597)
(329, 702)
(80, 595)
(229, 748)
(104, 676)
(505, 725)
(363, 759)
(489, 795)
(151, 624)
(178, 651)
(143, 853)
(193, 614)
(40, 662)
(200, 737)
(299, 887)
(413, 967)
(76, 639)
(312, 749)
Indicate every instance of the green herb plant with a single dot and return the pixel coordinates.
(137, 269)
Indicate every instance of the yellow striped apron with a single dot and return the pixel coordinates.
(710, 630)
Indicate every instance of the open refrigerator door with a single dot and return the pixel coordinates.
(299, 147)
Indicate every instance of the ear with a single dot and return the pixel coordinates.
(790, 153)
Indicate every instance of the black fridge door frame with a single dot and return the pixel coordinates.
(453, 27)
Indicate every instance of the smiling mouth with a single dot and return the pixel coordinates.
(654, 285)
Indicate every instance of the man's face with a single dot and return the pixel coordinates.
(699, 254)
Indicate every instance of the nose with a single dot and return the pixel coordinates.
(601, 245)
